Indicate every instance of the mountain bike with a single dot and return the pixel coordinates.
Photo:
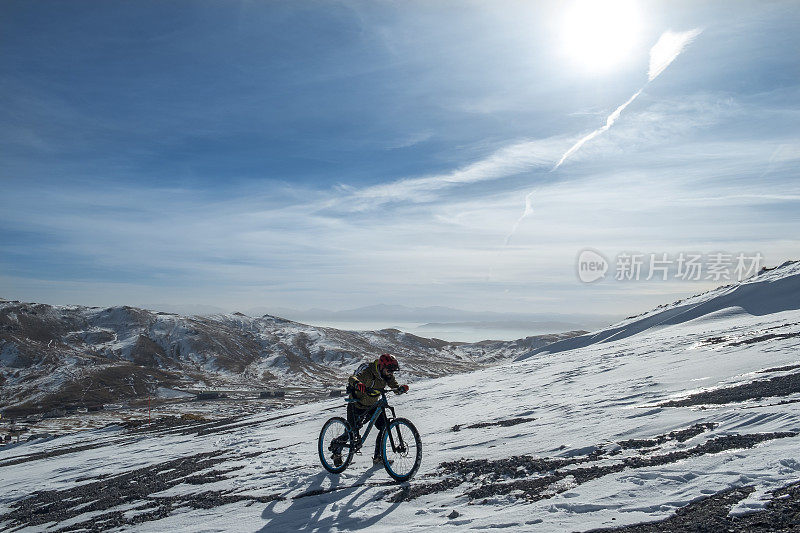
(400, 443)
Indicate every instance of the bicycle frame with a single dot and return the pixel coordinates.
(382, 407)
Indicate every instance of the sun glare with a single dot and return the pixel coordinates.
(601, 34)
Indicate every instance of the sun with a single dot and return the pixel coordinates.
(600, 35)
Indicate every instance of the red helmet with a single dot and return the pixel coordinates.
(388, 363)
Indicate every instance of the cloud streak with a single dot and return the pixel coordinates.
(502, 163)
(667, 48)
(257, 249)
(609, 122)
(506, 161)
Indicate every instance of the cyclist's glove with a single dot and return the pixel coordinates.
(360, 387)
(402, 388)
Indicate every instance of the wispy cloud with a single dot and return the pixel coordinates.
(664, 52)
(266, 248)
(525, 213)
(216, 181)
(510, 160)
(505, 162)
(668, 47)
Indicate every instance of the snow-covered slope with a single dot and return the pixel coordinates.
(772, 291)
(608, 434)
(51, 356)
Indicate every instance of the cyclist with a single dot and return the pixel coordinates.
(365, 386)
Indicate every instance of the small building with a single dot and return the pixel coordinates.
(265, 394)
(209, 395)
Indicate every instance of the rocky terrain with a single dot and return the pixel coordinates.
(52, 357)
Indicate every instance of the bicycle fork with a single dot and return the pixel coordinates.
(399, 447)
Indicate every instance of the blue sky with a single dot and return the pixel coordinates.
(339, 154)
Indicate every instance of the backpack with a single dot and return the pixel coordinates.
(360, 369)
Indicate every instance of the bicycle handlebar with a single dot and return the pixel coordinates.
(368, 390)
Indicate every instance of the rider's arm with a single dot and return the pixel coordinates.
(392, 383)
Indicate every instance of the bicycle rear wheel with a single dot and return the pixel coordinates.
(401, 447)
(335, 445)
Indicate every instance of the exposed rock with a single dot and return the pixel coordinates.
(88, 356)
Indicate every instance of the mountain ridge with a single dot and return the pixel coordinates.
(52, 355)
(772, 290)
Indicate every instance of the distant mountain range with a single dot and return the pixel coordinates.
(56, 355)
(505, 324)
(438, 314)
(432, 316)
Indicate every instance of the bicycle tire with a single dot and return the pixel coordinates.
(335, 428)
(401, 464)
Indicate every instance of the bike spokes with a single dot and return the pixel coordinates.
(336, 445)
(402, 449)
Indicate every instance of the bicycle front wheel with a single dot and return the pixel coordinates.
(335, 445)
(401, 447)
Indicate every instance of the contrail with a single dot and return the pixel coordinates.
(668, 47)
(528, 211)
(609, 122)
(664, 52)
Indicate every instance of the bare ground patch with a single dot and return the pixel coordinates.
(535, 478)
(782, 513)
(777, 386)
(680, 435)
(135, 489)
(501, 423)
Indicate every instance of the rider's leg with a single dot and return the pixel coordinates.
(351, 415)
(354, 417)
(379, 424)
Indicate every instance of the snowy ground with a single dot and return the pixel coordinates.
(568, 458)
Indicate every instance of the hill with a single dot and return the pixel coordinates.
(772, 291)
(52, 356)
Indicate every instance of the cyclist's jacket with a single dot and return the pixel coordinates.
(370, 376)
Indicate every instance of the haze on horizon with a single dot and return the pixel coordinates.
(340, 155)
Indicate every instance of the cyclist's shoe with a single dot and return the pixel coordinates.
(337, 460)
(337, 443)
(379, 460)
